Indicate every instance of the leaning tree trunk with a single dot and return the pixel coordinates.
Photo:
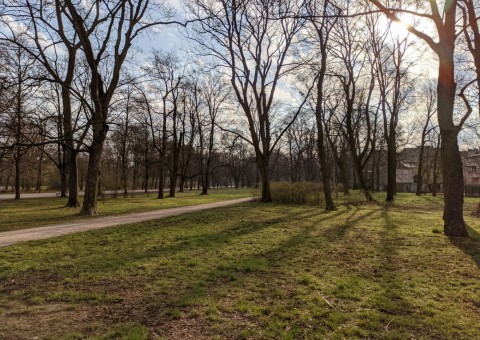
(361, 178)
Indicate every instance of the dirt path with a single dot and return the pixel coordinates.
(11, 237)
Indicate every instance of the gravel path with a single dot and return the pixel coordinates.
(11, 237)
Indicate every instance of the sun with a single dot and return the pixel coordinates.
(399, 30)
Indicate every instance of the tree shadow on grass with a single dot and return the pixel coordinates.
(431, 200)
(236, 271)
(470, 246)
(337, 232)
(390, 300)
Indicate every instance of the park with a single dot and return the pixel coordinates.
(239, 169)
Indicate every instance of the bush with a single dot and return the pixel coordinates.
(297, 193)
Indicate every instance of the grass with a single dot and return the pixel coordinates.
(251, 271)
(29, 213)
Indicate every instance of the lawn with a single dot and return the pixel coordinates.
(251, 271)
(29, 213)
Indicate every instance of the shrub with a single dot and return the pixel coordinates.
(297, 193)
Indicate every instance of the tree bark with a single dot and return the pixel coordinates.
(452, 169)
(73, 200)
(391, 168)
(453, 185)
(263, 167)
(420, 167)
(89, 206)
(324, 167)
(17, 173)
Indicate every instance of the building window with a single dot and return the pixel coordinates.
(472, 169)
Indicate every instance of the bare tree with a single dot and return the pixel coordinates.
(395, 86)
(15, 120)
(430, 102)
(355, 74)
(215, 94)
(328, 13)
(251, 41)
(105, 31)
(47, 37)
(443, 16)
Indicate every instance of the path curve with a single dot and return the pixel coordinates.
(15, 236)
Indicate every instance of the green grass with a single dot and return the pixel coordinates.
(251, 271)
(29, 213)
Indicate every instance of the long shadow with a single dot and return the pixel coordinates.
(390, 300)
(202, 284)
(431, 200)
(208, 283)
(337, 232)
(111, 261)
(470, 246)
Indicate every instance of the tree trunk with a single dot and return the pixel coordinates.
(63, 180)
(452, 171)
(435, 172)
(360, 176)
(89, 206)
(205, 182)
(73, 200)
(453, 185)
(264, 171)
(161, 181)
(163, 153)
(173, 182)
(324, 168)
(71, 153)
(391, 169)
(420, 168)
(17, 173)
(38, 185)
(345, 180)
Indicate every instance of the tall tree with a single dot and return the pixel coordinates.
(53, 43)
(251, 41)
(444, 17)
(215, 94)
(355, 74)
(430, 101)
(15, 119)
(323, 27)
(395, 86)
(106, 31)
